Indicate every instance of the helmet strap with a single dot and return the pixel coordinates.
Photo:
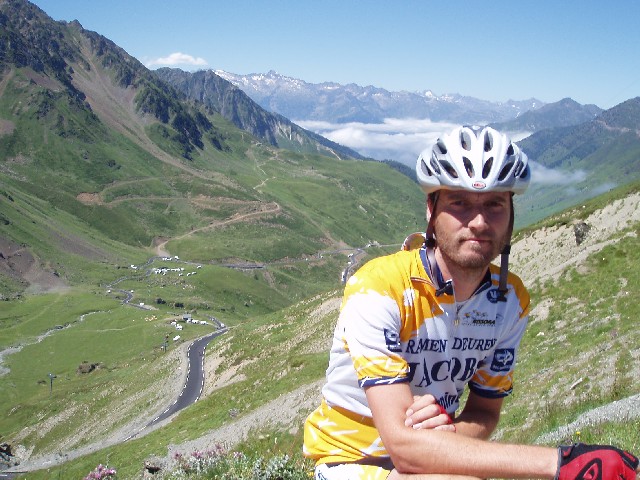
(504, 255)
(430, 249)
(433, 199)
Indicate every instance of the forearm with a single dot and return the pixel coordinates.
(475, 424)
(395, 475)
(452, 454)
(431, 451)
(479, 418)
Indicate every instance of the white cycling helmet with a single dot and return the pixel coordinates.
(474, 159)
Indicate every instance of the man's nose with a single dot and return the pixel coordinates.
(478, 218)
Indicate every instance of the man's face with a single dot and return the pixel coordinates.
(471, 228)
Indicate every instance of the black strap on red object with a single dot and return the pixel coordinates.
(595, 462)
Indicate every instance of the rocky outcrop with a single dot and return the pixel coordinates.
(11, 457)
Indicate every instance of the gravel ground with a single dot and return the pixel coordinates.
(623, 410)
(548, 252)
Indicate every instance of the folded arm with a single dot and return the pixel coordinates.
(478, 419)
(431, 451)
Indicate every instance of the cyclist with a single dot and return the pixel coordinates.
(419, 326)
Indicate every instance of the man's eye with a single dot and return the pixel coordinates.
(497, 205)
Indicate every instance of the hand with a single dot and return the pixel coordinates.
(597, 462)
(425, 412)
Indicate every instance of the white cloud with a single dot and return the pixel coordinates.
(517, 136)
(177, 58)
(400, 139)
(542, 175)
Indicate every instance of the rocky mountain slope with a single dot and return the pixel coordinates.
(564, 113)
(234, 105)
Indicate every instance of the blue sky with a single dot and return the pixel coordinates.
(494, 50)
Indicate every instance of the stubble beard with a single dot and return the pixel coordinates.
(467, 257)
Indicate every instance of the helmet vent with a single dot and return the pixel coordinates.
(510, 149)
(465, 140)
(449, 169)
(488, 142)
(518, 169)
(434, 164)
(487, 167)
(505, 171)
(468, 166)
(426, 167)
(442, 147)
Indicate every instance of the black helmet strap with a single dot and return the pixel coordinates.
(504, 255)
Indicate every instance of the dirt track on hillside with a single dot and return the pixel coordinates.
(262, 209)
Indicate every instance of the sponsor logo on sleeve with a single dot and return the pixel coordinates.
(392, 339)
(503, 359)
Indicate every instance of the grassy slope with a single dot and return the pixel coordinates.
(598, 160)
(582, 352)
(284, 344)
(108, 191)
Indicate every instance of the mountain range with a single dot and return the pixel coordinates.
(577, 162)
(87, 131)
(397, 126)
(336, 103)
(232, 103)
(564, 113)
(68, 93)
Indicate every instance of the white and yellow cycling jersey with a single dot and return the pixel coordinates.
(394, 328)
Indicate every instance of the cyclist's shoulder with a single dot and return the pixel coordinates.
(398, 261)
(512, 278)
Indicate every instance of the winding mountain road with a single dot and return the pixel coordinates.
(194, 383)
(191, 391)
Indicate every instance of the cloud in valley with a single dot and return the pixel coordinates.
(542, 175)
(177, 58)
(400, 139)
